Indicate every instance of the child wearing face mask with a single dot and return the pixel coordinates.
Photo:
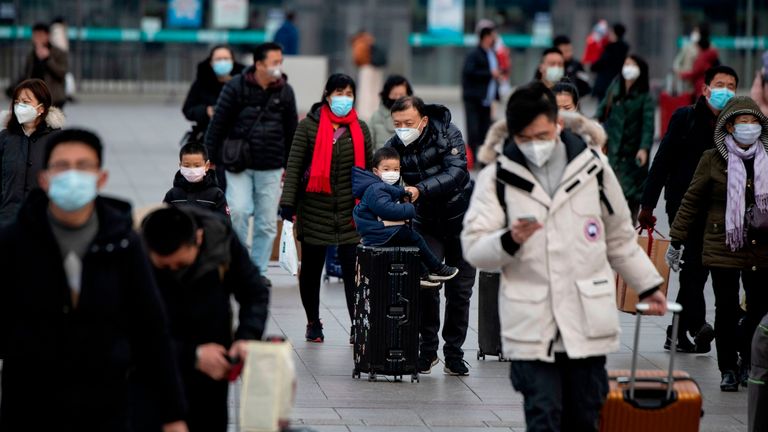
(384, 209)
(195, 182)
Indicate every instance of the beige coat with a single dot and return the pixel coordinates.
(562, 279)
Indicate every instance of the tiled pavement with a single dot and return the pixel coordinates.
(141, 145)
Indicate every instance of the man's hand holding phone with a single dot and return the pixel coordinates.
(523, 228)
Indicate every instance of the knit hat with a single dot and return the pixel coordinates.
(738, 105)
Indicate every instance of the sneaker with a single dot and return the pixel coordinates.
(426, 283)
(315, 332)
(684, 345)
(729, 383)
(424, 364)
(456, 367)
(443, 274)
(703, 339)
(266, 282)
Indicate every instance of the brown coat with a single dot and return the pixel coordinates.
(56, 67)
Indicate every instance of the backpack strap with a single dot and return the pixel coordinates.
(501, 195)
(600, 187)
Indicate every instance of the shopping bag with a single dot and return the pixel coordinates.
(626, 297)
(269, 379)
(289, 258)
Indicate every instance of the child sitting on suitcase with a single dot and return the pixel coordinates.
(381, 216)
(195, 183)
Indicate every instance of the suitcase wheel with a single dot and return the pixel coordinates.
(326, 278)
(356, 374)
(372, 376)
(415, 377)
(398, 378)
(480, 355)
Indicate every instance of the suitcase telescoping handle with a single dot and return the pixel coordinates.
(675, 308)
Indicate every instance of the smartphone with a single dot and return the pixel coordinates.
(529, 219)
(236, 369)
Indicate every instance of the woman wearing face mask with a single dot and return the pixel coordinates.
(552, 67)
(22, 143)
(318, 191)
(627, 114)
(730, 188)
(381, 124)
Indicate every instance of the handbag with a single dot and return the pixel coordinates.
(236, 154)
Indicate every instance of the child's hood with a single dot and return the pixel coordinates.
(361, 180)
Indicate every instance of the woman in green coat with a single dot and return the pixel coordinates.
(317, 191)
(627, 114)
(730, 191)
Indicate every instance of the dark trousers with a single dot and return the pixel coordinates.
(566, 395)
(730, 340)
(693, 278)
(405, 236)
(478, 123)
(458, 292)
(311, 271)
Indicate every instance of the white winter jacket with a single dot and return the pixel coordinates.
(560, 282)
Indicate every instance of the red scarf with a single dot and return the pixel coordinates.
(320, 170)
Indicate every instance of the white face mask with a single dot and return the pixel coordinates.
(538, 152)
(25, 113)
(275, 72)
(193, 175)
(747, 133)
(390, 177)
(554, 73)
(630, 72)
(408, 135)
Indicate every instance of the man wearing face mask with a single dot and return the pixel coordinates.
(79, 309)
(551, 69)
(551, 215)
(480, 86)
(250, 134)
(433, 165)
(691, 132)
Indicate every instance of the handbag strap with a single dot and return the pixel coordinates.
(338, 133)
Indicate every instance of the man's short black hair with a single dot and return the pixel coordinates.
(261, 51)
(80, 136)
(385, 153)
(619, 30)
(43, 27)
(709, 75)
(407, 102)
(551, 50)
(192, 149)
(167, 229)
(561, 40)
(527, 103)
(485, 31)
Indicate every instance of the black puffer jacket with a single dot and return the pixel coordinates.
(240, 105)
(204, 93)
(21, 160)
(206, 194)
(436, 164)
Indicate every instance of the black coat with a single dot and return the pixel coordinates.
(72, 364)
(206, 194)
(690, 133)
(204, 93)
(240, 105)
(608, 66)
(475, 76)
(574, 68)
(436, 164)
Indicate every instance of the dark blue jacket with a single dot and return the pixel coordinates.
(378, 202)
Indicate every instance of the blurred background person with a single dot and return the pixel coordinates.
(369, 59)
(381, 125)
(686, 57)
(609, 65)
(759, 90)
(288, 35)
(706, 58)
(574, 70)
(60, 39)
(552, 67)
(480, 87)
(48, 63)
(595, 43)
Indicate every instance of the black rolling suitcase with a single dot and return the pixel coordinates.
(386, 324)
(488, 324)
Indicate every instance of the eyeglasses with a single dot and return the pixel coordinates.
(58, 167)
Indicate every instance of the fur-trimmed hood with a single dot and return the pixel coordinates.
(55, 118)
(589, 130)
(737, 106)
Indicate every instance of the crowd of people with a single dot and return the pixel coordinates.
(140, 320)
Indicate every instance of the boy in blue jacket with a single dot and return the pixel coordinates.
(381, 216)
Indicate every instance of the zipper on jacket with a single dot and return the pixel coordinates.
(552, 342)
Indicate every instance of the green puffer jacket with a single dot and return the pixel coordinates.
(707, 196)
(323, 219)
(628, 121)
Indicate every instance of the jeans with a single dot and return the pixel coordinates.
(566, 395)
(478, 123)
(311, 271)
(458, 292)
(405, 236)
(255, 193)
(729, 339)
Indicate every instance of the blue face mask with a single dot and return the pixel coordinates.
(72, 190)
(719, 97)
(341, 105)
(222, 67)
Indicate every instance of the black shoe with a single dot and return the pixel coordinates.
(315, 332)
(729, 383)
(426, 283)
(703, 339)
(266, 282)
(424, 364)
(445, 273)
(456, 366)
(684, 345)
(744, 369)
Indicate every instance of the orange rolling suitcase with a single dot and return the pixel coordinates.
(652, 400)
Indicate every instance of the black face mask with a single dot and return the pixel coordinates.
(387, 102)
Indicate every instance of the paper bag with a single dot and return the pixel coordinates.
(266, 395)
(626, 297)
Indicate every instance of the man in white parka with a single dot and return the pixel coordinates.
(563, 228)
